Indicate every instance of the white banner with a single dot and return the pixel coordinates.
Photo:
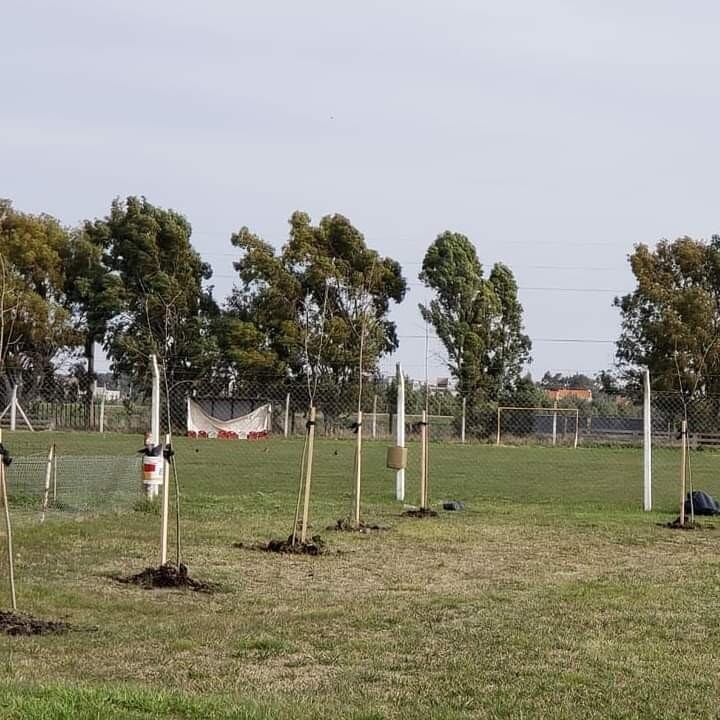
(253, 426)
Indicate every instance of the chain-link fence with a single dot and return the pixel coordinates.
(599, 440)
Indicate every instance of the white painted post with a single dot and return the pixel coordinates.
(286, 424)
(48, 477)
(155, 417)
(555, 425)
(13, 408)
(463, 421)
(152, 489)
(400, 432)
(647, 445)
(102, 413)
(374, 418)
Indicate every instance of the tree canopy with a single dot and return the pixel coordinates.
(35, 324)
(479, 321)
(671, 320)
(305, 309)
(155, 289)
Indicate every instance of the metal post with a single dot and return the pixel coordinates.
(462, 422)
(374, 418)
(647, 445)
(286, 424)
(155, 419)
(554, 435)
(13, 408)
(497, 439)
(102, 413)
(577, 428)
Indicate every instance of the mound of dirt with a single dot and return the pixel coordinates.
(419, 513)
(675, 525)
(344, 525)
(167, 576)
(12, 623)
(316, 546)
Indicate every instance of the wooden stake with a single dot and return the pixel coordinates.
(48, 475)
(8, 530)
(165, 506)
(358, 471)
(423, 458)
(683, 468)
(308, 476)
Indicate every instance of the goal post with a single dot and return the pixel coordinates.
(539, 422)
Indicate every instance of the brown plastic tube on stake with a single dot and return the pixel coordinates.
(8, 530)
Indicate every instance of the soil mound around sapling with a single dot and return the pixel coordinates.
(675, 525)
(168, 576)
(316, 546)
(344, 525)
(12, 623)
(419, 513)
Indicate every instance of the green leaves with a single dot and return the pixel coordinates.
(671, 321)
(310, 303)
(478, 321)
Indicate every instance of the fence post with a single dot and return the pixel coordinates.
(13, 408)
(647, 445)
(102, 413)
(497, 439)
(286, 424)
(462, 422)
(374, 418)
(554, 435)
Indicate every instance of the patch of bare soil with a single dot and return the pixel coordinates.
(344, 525)
(316, 546)
(675, 525)
(167, 576)
(13, 623)
(419, 513)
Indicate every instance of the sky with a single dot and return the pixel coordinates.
(555, 135)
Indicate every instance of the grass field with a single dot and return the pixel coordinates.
(551, 596)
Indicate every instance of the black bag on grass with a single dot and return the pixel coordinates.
(703, 504)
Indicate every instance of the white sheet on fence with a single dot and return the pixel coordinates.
(255, 422)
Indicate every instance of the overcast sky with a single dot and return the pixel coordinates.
(555, 135)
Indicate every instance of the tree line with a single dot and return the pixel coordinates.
(133, 283)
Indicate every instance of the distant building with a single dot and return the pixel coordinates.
(572, 393)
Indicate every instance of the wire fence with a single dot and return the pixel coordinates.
(48, 485)
(67, 403)
(597, 439)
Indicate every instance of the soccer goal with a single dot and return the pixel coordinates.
(555, 426)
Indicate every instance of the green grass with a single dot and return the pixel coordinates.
(551, 596)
